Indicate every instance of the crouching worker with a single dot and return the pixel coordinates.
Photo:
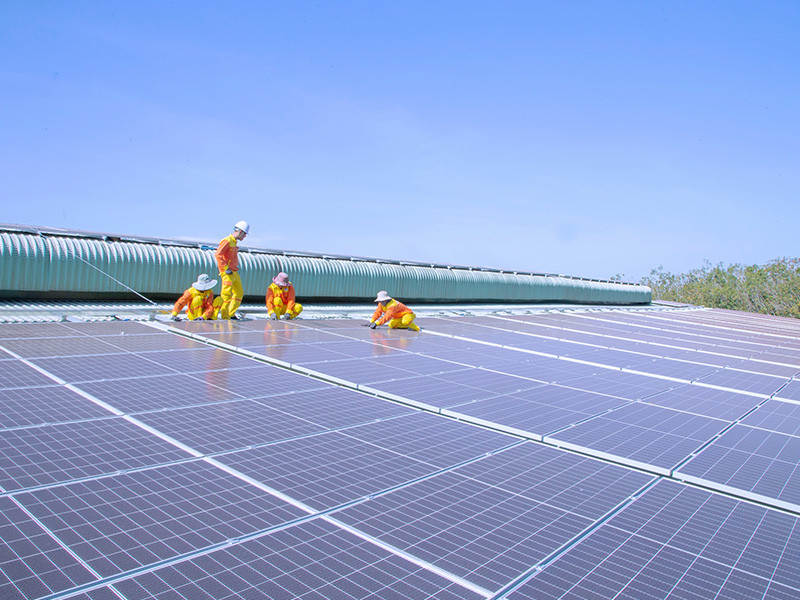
(397, 314)
(280, 299)
(199, 301)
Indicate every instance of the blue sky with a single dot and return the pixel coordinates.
(590, 138)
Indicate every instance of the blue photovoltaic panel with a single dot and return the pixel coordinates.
(433, 390)
(36, 330)
(491, 381)
(151, 343)
(228, 426)
(675, 368)
(629, 386)
(32, 563)
(677, 542)
(550, 370)
(110, 328)
(117, 524)
(23, 407)
(584, 486)
(156, 393)
(719, 404)
(57, 453)
(484, 534)
(335, 407)
(75, 369)
(767, 368)
(327, 470)
(781, 417)
(753, 460)
(16, 374)
(199, 360)
(483, 505)
(259, 381)
(644, 433)
(58, 347)
(309, 561)
(791, 391)
(535, 418)
(362, 371)
(432, 439)
(748, 382)
(488, 521)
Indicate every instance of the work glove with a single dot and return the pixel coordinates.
(273, 317)
(228, 271)
(286, 316)
(372, 325)
(174, 317)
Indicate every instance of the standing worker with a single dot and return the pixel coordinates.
(227, 256)
(398, 315)
(199, 301)
(280, 298)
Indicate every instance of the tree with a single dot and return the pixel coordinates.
(772, 289)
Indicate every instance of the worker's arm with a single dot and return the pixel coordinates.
(290, 302)
(377, 314)
(223, 255)
(182, 301)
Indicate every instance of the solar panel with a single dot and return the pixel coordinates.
(516, 482)
(677, 542)
(118, 524)
(55, 453)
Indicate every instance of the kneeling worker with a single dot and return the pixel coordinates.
(280, 298)
(398, 315)
(199, 301)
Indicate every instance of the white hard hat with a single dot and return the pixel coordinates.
(382, 297)
(243, 225)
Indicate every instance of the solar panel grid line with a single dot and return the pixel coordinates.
(672, 346)
(325, 515)
(411, 558)
(674, 331)
(728, 328)
(55, 538)
(599, 365)
(605, 456)
(791, 508)
(509, 588)
(302, 506)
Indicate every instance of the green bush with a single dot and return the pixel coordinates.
(772, 289)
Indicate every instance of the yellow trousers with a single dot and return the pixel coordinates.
(404, 322)
(280, 308)
(195, 308)
(232, 294)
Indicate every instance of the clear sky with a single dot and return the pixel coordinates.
(590, 138)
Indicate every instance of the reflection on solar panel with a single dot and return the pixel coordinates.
(614, 453)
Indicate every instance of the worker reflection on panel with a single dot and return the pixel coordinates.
(277, 340)
(280, 299)
(395, 313)
(199, 301)
(383, 345)
(227, 256)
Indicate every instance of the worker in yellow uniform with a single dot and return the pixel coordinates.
(199, 301)
(397, 314)
(227, 256)
(280, 298)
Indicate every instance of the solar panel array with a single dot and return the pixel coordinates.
(569, 454)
